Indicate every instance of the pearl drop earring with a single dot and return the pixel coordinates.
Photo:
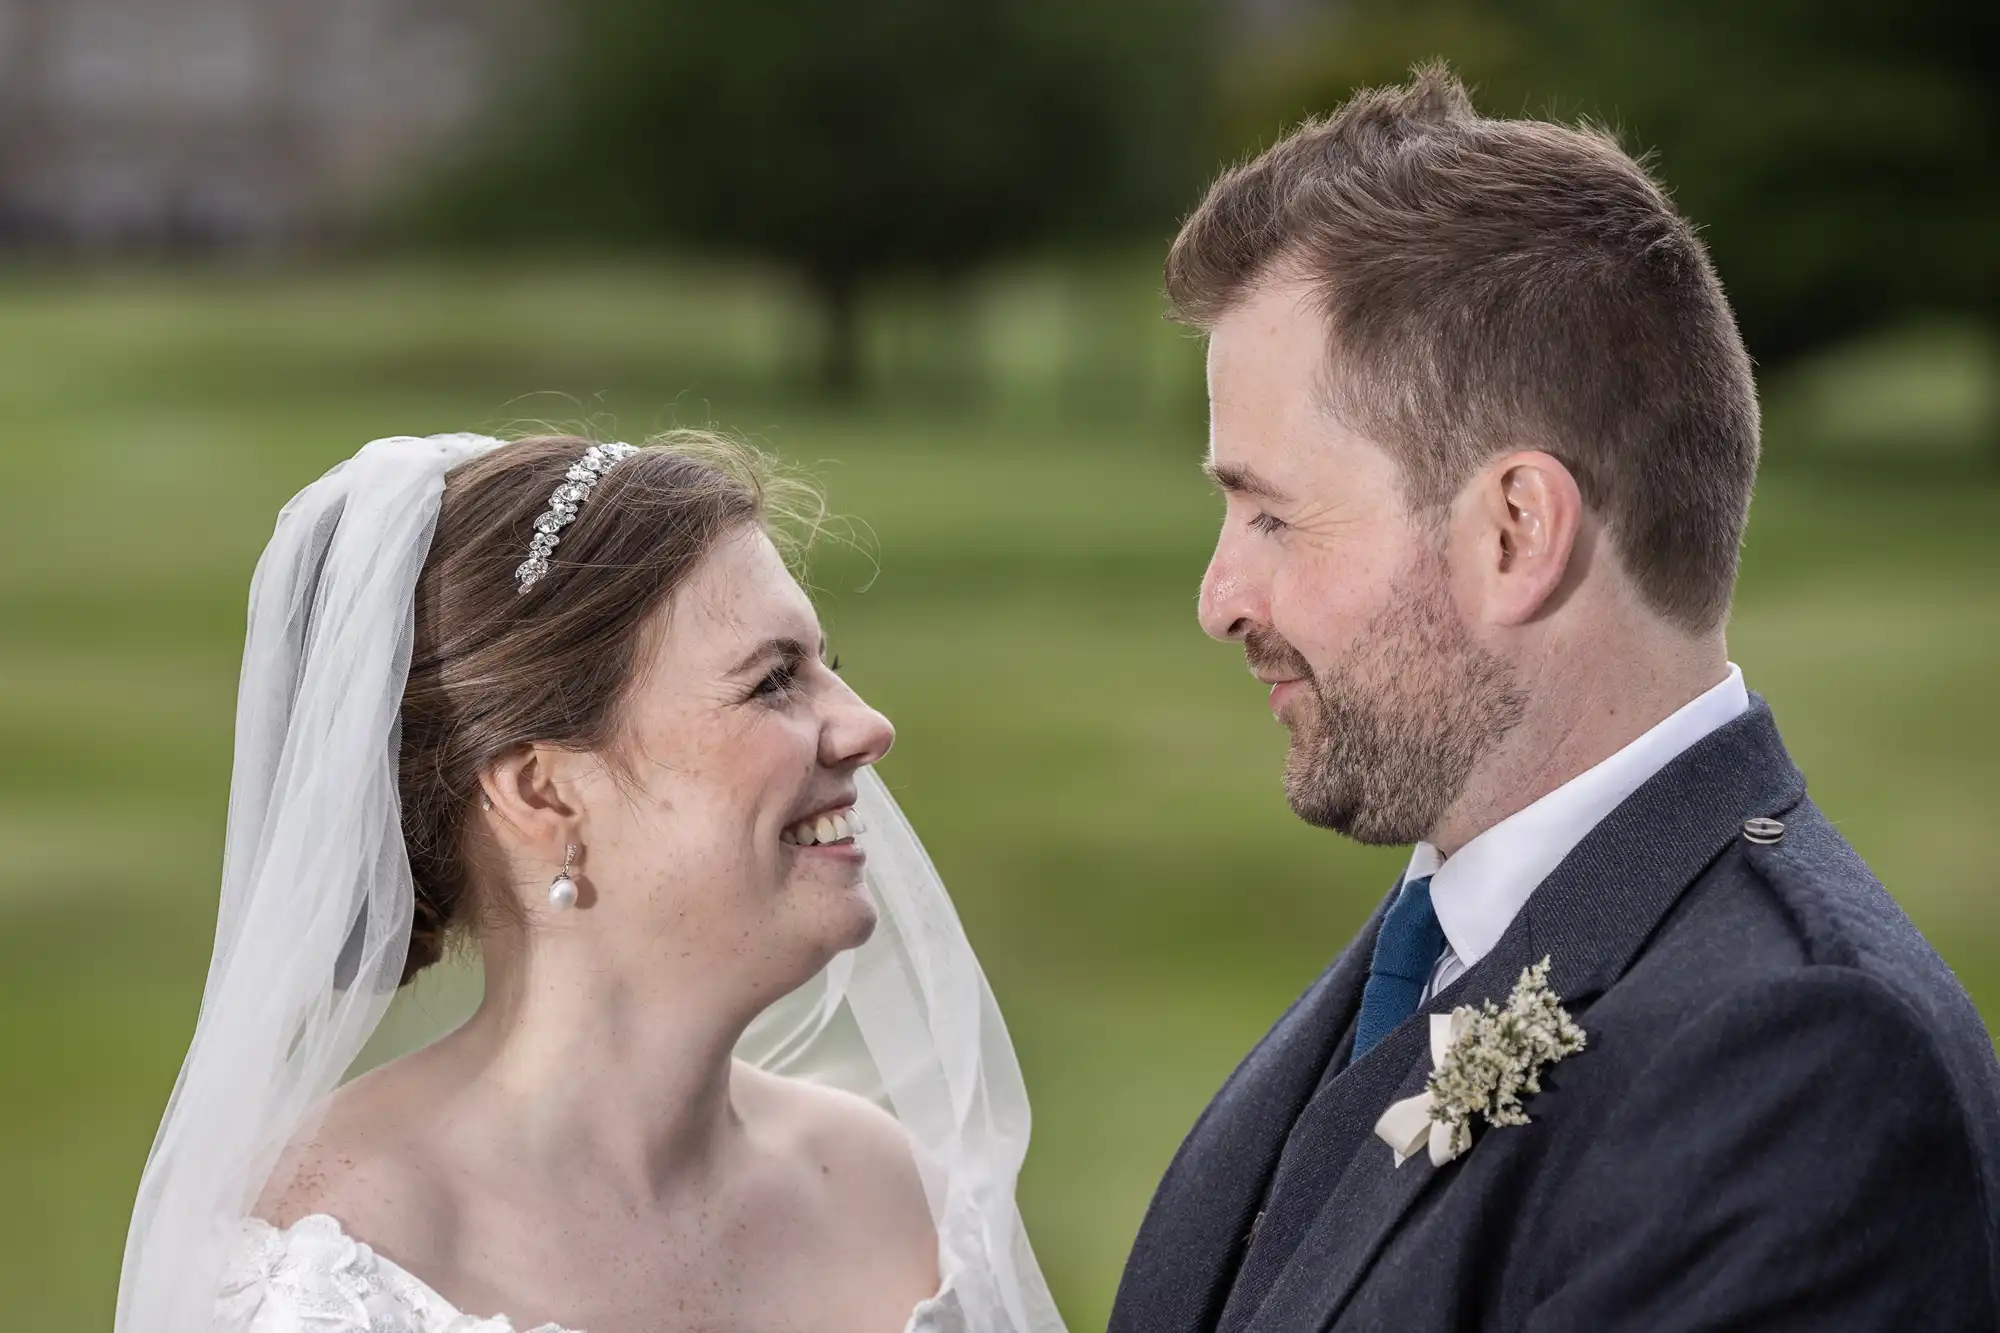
(562, 893)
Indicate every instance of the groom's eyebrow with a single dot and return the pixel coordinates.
(1237, 479)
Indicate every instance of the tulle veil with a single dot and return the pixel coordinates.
(315, 914)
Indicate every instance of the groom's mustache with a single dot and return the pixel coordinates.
(1270, 657)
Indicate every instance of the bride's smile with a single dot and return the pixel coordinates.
(830, 830)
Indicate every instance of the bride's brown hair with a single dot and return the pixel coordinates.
(493, 668)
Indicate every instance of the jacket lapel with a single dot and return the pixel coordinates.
(1361, 1196)
(1591, 917)
(1198, 1226)
(1328, 1136)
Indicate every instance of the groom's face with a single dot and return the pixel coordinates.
(1342, 597)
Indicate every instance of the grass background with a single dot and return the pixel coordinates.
(1098, 782)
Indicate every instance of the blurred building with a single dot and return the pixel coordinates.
(224, 123)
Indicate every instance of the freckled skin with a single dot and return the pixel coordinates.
(585, 1151)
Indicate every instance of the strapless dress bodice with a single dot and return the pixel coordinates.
(312, 1277)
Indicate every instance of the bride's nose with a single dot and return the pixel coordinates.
(854, 734)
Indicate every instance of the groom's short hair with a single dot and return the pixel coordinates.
(1498, 284)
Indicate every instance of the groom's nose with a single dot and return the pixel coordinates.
(1230, 601)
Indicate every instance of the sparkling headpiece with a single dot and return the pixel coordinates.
(576, 488)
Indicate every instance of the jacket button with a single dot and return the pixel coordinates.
(1764, 831)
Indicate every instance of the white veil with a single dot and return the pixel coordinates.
(316, 909)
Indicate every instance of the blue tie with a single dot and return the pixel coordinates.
(1405, 952)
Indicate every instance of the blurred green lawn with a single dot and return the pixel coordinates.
(1097, 781)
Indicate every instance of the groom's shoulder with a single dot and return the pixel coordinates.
(1790, 922)
(1837, 911)
(1785, 1039)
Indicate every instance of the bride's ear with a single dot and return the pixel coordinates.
(530, 789)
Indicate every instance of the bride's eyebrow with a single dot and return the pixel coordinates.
(783, 646)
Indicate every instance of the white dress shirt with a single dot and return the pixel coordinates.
(1480, 888)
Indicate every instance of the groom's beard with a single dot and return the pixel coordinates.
(1382, 745)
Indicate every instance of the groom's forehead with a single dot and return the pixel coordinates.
(1275, 333)
(1282, 445)
(1285, 470)
(1269, 367)
(1274, 436)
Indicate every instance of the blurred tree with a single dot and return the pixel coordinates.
(853, 139)
(1842, 156)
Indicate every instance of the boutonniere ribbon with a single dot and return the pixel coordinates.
(1482, 1062)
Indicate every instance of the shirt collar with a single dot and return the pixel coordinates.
(1479, 890)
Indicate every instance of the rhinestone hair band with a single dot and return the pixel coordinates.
(578, 482)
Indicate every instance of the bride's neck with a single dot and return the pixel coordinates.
(599, 1071)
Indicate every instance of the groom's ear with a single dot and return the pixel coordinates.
(1528, 518)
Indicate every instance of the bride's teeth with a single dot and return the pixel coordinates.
(837, 826)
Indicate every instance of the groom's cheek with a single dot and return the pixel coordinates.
(1308, 609)
(1328, 592)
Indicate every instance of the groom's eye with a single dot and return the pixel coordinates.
(1266, 523)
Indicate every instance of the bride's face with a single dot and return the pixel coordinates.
(722, 846)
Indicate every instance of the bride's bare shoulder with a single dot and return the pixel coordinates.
(863, 1153)
(364, 1162)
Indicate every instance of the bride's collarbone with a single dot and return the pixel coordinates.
(814, 1217)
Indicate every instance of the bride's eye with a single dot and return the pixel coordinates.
(1266, 523)
(780, 683)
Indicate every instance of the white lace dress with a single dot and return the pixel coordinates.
(312, 1277)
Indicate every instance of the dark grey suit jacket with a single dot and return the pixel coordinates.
(1787, 1116)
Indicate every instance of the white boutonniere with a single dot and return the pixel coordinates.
(1483, 1060)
